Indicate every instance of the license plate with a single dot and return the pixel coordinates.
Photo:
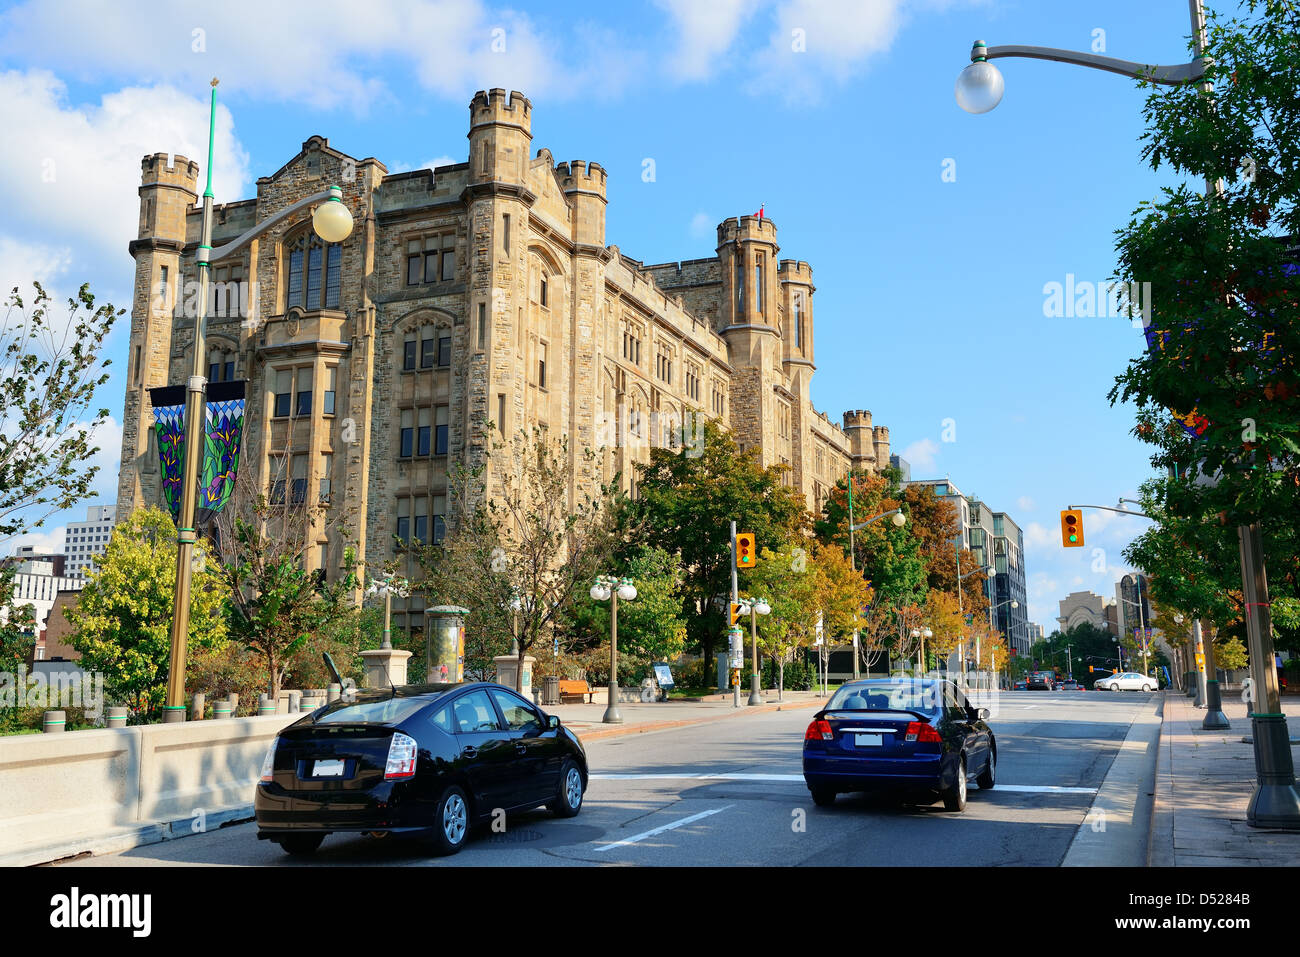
(327, 769)
(867, 740)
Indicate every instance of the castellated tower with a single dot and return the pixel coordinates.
(749, 321)
(166, 194)
(497, 201)
(880, 442)
(862, 446)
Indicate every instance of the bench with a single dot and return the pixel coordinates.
(575, 690)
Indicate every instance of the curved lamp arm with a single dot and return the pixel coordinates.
(1172, 75)
(239, 242)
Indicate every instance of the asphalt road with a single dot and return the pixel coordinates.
(731, 792)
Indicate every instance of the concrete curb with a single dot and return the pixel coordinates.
(1116, 830)
(126, 839)
(1160, 840)
(649, 726)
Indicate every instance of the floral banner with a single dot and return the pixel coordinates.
(169, 427)
(222, 430)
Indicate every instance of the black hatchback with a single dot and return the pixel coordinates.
(420, 760)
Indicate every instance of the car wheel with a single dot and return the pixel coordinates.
(568, 799)
(822, 797)
(301, 845)
(988, 777)
(1114, 687)
(954, 798)
(451, 821)
(1148, 688)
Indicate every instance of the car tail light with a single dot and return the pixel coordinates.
(921, 731)
(268, 762)
(819, 730)
(401, 758)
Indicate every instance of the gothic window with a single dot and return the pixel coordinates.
(315, 273)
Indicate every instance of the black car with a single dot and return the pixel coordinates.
(918, 737)
(1040, 681)
(420, 760)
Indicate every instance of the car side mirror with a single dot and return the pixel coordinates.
(553, 721)
(984, 713)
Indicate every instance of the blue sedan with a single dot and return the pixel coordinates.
(916, 736)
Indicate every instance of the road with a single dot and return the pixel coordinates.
(731, 792)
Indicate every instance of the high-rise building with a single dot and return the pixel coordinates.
(84, 541)
(1011, 593)
(474, 299)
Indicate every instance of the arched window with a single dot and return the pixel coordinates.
(221, 364)
(314, 276)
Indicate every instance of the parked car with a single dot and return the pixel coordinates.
(420, 760)
(1020, 685)
(918, 737)
(1127, 681)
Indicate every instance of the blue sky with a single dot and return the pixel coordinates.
(931, 233)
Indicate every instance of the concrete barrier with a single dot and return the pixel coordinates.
(117, 788)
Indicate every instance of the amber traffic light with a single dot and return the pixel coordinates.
(1071, 528)
(746, 554)
(736, 608)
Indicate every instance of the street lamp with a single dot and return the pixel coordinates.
(755, 607)
(333, 223)
(611, 588)
(922, 634)
(1014, 604)
(388, 586)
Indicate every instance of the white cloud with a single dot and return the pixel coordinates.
(327, 60)
(1025, 503)
(109, 457)
(46, 541)
(1039, 536)
(921, 455)
(63, 165)
(702, 225)
(427, 164)
(705, 33)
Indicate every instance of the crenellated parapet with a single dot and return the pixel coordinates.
(494, 108)
(181, 172)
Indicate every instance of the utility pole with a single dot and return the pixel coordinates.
(733, 666)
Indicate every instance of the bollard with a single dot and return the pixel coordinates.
(222, 709)
(234, 704)
(295, 702)
(265, 706)
(335, 691)
(117, 715)
(200, 702)
(54, 722)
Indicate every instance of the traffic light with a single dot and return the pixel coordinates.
(1071, 528)
(746, 554)
(735, 611)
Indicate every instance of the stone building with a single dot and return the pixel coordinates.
(475, 297)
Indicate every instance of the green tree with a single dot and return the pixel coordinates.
(47, 386)
(651, 627)
(1217, 391)
(685, 502)
(122, 619)
(794, 586)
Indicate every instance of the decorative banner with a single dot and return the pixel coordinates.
(223, 427)
(169, 426)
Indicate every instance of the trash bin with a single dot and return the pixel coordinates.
(551, 690)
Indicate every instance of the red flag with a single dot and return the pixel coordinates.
(759, 214)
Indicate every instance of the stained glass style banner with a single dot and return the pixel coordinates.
(169, 427)
(223, 427)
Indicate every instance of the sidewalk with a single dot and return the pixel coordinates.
(585, 719)
(1204, 780)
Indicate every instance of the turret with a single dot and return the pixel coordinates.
(747, 250)
(880, 442)
(500, 137)
(584, 185)
(797, 300)
(862, 449)
(166, 193)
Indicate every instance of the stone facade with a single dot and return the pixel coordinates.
(475, 297)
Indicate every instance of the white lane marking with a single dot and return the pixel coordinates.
(666, 827)
(1017, 788)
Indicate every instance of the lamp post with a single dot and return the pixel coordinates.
(387, 586)
(899, 520)
(1142, 627)
(611, 588)
(755, 607)
(921, 634)
(332, 221)
(1275, 802)
(961, 612)
(993, 655)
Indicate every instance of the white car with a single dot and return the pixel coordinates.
(1128, 681)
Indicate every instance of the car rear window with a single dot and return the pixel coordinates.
(903, 696)
(385, 711)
